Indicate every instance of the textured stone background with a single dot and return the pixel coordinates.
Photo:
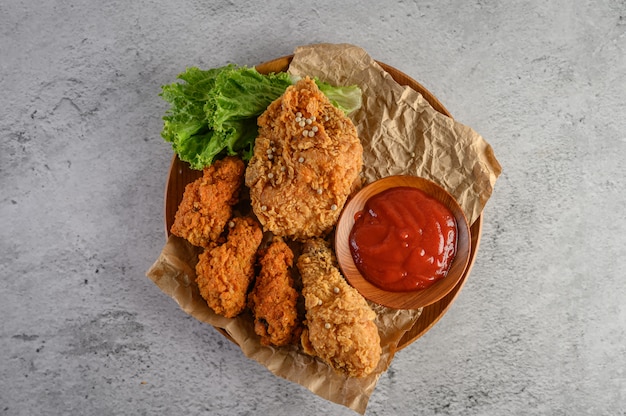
(540, 327)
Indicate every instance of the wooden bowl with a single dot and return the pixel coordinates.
(180, 174)
(409, 299)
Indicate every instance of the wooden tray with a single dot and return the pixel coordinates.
(180, 175)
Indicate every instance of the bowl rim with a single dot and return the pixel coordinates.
(410, 299)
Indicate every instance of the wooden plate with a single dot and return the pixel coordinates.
(180, 175)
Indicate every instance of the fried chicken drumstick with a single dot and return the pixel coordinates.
(207, 202)
(224, 272)
(340, 326)
(274, 297)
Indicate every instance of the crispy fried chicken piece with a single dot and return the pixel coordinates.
(224, 272)
(306, 162)
(207, 202)
(340, 324)
(274, 297)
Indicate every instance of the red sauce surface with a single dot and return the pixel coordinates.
(403, 240)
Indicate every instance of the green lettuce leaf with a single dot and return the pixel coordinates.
(346, 98)
(242, 94)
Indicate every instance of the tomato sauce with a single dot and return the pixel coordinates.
(403, 240)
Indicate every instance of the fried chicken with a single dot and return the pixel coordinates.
(207, 202)
(340, 326)
(306, 162)
(224, 272)
(273, 300)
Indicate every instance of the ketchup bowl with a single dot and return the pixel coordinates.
(403, 242)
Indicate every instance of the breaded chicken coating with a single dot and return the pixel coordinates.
(207, 202)
(224, 272)
(306, 162)
(340, 326)
(273, 300)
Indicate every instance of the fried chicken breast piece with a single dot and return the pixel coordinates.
(306, 162)
(340, 326)
(224, 272)
(273, 301)
(207, 202)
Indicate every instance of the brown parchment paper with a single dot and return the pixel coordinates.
(401, 134)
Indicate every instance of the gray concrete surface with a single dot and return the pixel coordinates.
(540, 327)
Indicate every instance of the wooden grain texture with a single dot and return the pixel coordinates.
(411, 299)
(180, 175)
